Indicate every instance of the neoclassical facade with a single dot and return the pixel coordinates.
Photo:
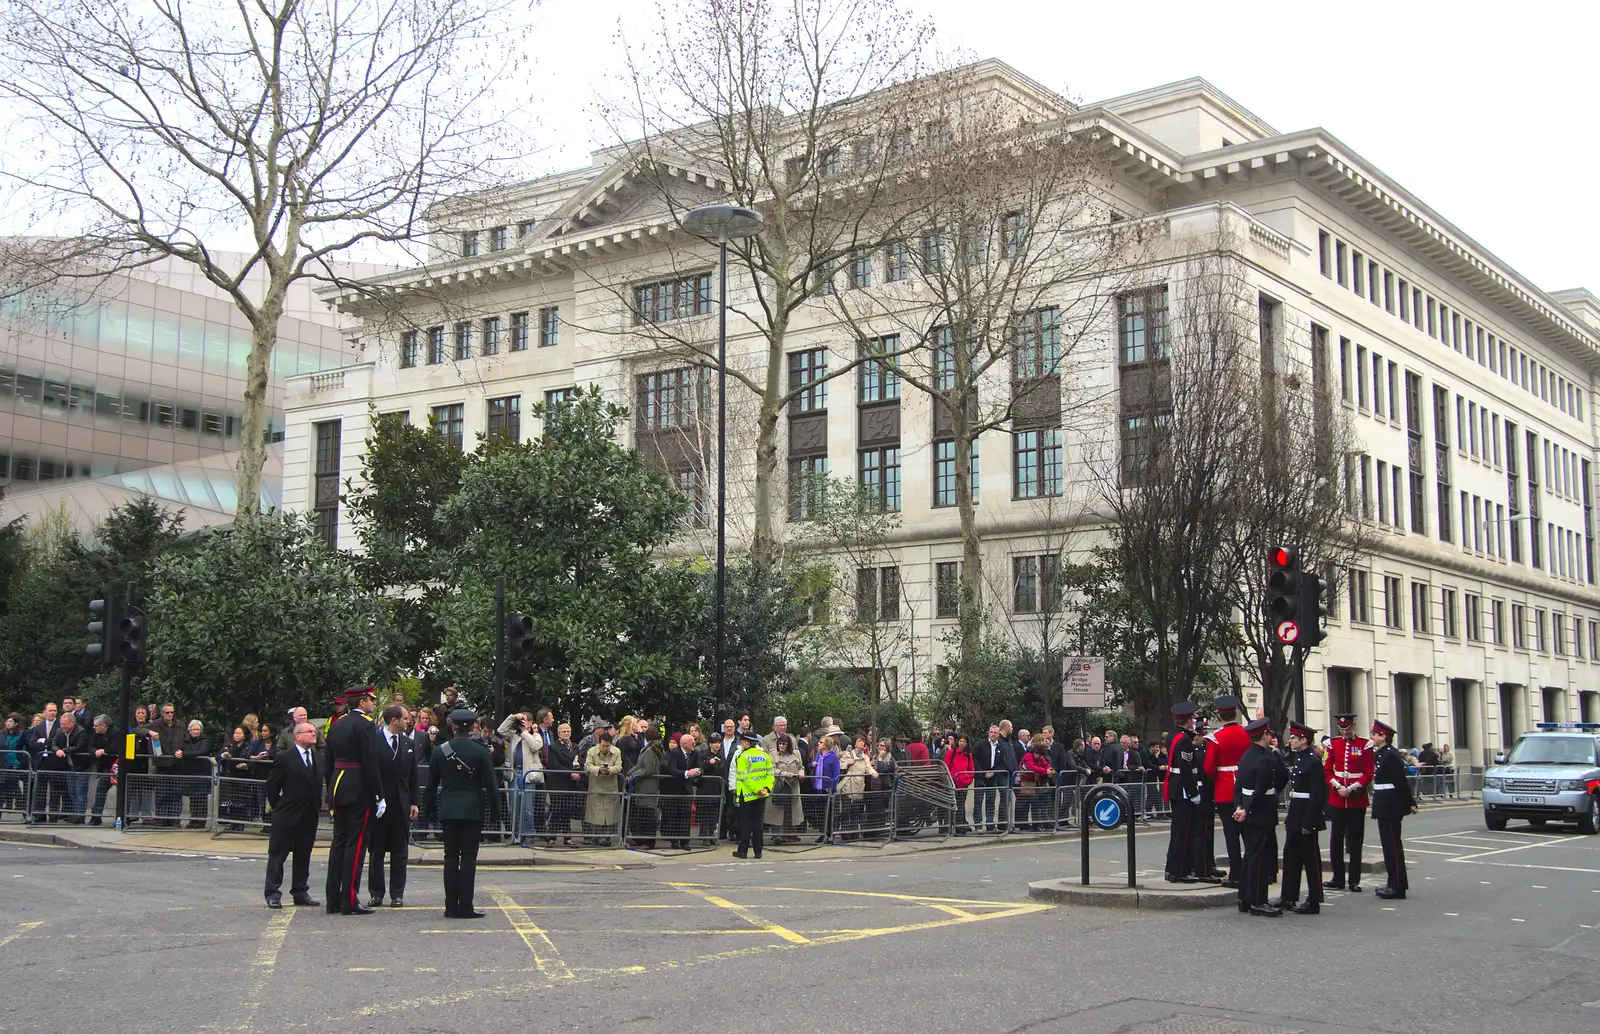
(1469, 391)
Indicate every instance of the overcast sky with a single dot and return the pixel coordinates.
(1486, 112)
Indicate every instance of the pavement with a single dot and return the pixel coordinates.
(1498, 933)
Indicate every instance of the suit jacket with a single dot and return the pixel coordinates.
(294, 792)
(75, 743)
(994, 756)
(398, 773)
(353, 744)
(39, 739)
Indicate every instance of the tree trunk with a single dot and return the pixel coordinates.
(764, 536)
(252, 426)
(971, 557)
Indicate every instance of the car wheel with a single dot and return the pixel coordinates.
(1494, 822)
(1587, 821)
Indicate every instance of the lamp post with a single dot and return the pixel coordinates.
(722, 223)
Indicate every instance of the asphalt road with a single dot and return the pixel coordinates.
(1501, 932)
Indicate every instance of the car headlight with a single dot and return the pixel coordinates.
(1493, 782)
(1572, 784)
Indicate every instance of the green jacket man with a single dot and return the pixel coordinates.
(461, 794)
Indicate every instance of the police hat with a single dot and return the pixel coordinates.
(1305, 732)
(1259, 726)
(1387, 730)
(463, 716)
(1345, 719)
(746, 734)
(1183, 709)
(1227, 702)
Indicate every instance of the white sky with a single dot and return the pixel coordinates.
(1486, 112)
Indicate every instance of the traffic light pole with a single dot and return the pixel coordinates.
(124, 706)
(499, 648)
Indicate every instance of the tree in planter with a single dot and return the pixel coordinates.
(262, 617)
(309, 128)
(576, 524)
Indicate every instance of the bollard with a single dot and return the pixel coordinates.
(1090, 812)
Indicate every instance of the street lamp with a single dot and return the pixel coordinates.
(722, 223)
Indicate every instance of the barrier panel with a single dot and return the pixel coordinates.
(925, 801)
(16, 783)
(816, 822)
(1035, 806)
(577, 818)
(684, 820)
(1444, 782)
(992, 803)
(60, 795)
(241, 805)
(862, 814)
(157, 800)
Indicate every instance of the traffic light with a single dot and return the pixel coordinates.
(1313, 611)
(104, 628)
(1285, 594)
(129, 641)
(518, 628)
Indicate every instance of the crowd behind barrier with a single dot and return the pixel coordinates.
(617, 788)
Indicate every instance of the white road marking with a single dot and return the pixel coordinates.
(1514, 919)
(1457, 914)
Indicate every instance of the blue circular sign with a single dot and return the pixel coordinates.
(1107, 813)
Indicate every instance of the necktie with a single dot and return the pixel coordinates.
(305, 757)
(394, 745)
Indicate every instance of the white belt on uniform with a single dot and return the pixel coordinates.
(1300, 796)
(1383, 786)
(1228, 768)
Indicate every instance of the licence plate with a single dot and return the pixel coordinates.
(1527, 800)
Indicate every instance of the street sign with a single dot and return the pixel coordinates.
(1288, 632)
(1083, 682)
(1107, 813)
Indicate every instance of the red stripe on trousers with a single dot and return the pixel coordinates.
(355, 863)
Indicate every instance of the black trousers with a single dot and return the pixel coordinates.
(1203, 823)
(346, 853)
(1180, 841)
(461, 838)
(296, 838)
(1230, 835)
(1301, 853)
(390, 836)
(1260, 863)
(1347, 828)
(751, 816)
(1394, 853)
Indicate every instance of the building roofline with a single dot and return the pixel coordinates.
(1193, 84)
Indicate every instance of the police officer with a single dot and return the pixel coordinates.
(1348, 772)
(1181, 791)
(1224, 748)
(1261, 775)
(752, 768)
(461, 794)
(355, 795)
(1308, 793)
(1392, 801)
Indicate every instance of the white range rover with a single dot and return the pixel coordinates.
(1552, 775)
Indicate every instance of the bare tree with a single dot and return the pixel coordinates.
(800, 109)
(307, 128)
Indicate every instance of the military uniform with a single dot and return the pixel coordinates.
(461, 794)
(1181, 791)
(753, 780)
(1348, 764)
(355, 789)
(1204, 852)
(1392, 801)
(1308, 793)
(1261, 775)
(1224, 748)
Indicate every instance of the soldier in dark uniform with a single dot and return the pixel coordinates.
(1181, 791)
(1261, 775)
(1203, 857)
(1308, 795)
(355, 795)
(461, 794)
(1392, 801)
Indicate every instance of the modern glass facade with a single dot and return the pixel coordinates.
(142, 375)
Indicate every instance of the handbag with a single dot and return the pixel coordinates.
(533, 777)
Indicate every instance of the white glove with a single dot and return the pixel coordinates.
(383, 806)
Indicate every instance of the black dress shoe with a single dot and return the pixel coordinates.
(307, 901)
(376, 902)
(1274, 902)
(1180, 879)
(1243, 907)
(274, 901)
(471, 913)
(333, 909)
(1355, 888)
(1333, 884)
(1211, 878)
(1266, 911)
(1231, 883)
(1390, 894)
(358, 909)
(397, 902)
(1306, 908)
(740, 854)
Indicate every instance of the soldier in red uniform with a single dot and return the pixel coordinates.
(1348, 769)
(1224, 748)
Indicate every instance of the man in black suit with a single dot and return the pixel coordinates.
(294, 803)
(67, 755)
(993, 763)
(397, 768)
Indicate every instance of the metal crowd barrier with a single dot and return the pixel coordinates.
(158, 799)
(862, 814)
(242, 794)
(991, 803)
(1441, 782)
(16, 785)
(686, 820)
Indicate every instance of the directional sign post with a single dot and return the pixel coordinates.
(1083, 682)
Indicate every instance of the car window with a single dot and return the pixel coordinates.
(1553, 750)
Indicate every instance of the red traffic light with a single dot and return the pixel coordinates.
(1283, 556)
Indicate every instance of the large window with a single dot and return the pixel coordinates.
(944, 472)
(519, 332)
(497, 238)
(410, 349)
(947, 589)
(896, 262)
(1142, 438)
(879, 474)
(491, 336)
(1393, 604)
(1360, 597)
(1013, 234)
(668, 399)
(808, 482)
(877, 594)
(505, 418)
(1035, 585)
(469, 243)
(449, 423)
(879, 382)
(1036, 463)
(1036, 343)
(808, 372)
(435, 346)
(672, 299)
(1142, 325)
(325, 494)
(1421, 607)
(549, 327)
